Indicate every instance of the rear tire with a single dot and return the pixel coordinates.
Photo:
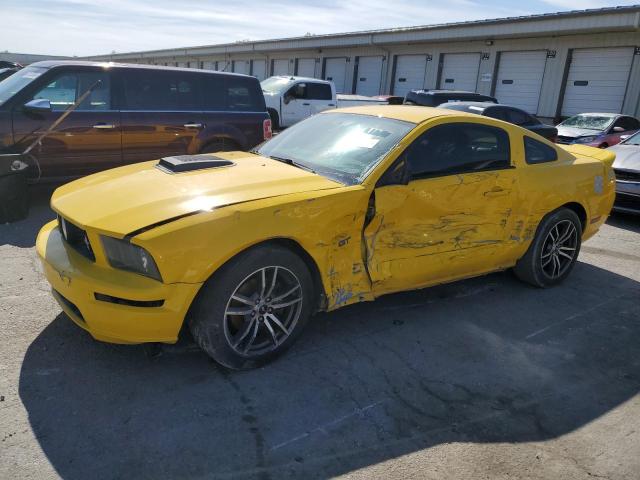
(253, 308)
(554, 250)
(14, 198)
(275, 120)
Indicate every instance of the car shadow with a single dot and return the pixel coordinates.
(483, 360)
(23, 233)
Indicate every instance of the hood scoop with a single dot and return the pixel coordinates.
(189, 163)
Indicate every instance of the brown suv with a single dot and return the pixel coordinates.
(134, 113)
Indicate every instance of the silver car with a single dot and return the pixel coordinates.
(627, 169)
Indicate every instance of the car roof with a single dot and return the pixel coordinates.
(597, 114)
(448, 92)
(293, 78)
(408, 113)
(83, 63)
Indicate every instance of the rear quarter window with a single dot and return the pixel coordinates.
(536, 152)
(232, 93)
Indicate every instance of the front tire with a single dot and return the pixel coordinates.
(554, 250)
(253, 308)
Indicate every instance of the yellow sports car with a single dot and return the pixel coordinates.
(341, 208)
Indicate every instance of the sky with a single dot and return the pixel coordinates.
(93, 27)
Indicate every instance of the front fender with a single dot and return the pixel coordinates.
(327, 225)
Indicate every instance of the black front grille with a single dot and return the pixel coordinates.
(627, 175)
(76, 238)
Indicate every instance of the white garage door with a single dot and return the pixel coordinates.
(280, 67)
(520, 79)
(307, 67)
(241, 66)
(460, 71)
(369, 75)
(597, 80)
(224, 65)
(409, 74)
(208, 65)
(336, 71)
(258, 69)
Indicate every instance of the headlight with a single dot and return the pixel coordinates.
(126, 256)
(585, 139)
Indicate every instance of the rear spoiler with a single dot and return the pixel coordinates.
(605, 156)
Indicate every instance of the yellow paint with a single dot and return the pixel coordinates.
(427, 232)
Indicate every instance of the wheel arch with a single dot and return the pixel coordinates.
(579, 210)
(295, 247)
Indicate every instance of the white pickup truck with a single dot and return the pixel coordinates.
(291, 99)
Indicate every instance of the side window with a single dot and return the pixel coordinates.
(628, 123)
(458, 148)
(214, 92)
(318, 91)
(537, 152)
(66, 88)
(244, 95)
(154, 90)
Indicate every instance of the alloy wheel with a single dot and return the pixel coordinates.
(263, 311)
(559, 249)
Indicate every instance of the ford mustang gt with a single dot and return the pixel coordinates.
(343, 207)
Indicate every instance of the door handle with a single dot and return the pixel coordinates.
(306, 104)
(332, 104)
(104, 126)
(192, 125)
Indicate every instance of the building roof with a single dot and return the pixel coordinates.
(624, 18)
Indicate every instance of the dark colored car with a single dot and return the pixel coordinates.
(508, 114)
(7, 72)
(600, 130)
(134, 113)
(627, 169)
(433, 98)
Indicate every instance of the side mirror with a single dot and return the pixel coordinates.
(286, 99)
(38, 105)
(618, 130)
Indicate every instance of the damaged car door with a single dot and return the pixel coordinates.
(443, 209)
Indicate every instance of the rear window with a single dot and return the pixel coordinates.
(227, 92)
(537, 152)
(160, 90)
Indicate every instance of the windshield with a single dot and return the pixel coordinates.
(16, 82)
(341, 146)
(275, 84)
(590, 122)
(633, 139)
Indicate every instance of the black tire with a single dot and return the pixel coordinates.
(603, 145)
(14, 198)
(219, 146)
(534, 266)
(216, 331)
(275, 120)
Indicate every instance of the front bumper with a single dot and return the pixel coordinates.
(627, 197)
(76, 280)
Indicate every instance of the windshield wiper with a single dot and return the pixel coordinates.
(293, 163)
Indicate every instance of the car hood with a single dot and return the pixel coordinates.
(123, 200)
(574, 132)
(627, 157)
